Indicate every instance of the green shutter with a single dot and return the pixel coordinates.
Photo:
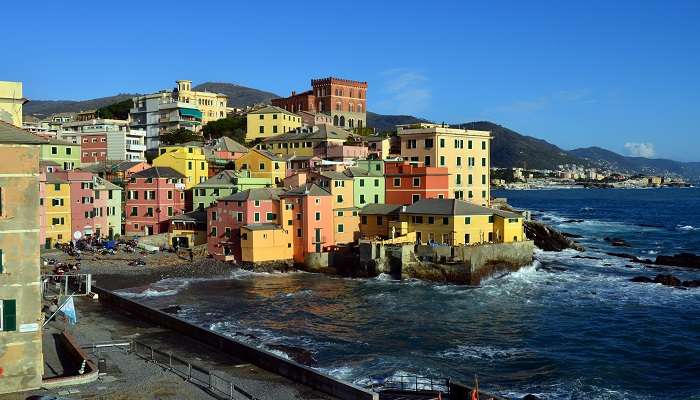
(2, 266)
(9, 315)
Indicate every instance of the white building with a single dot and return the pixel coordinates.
(123, 142)
(158, 113)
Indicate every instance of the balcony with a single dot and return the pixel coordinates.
(135, 147)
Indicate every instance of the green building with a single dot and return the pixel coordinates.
(109, 205)
(223, 184)
(65, 154)
(368, 185)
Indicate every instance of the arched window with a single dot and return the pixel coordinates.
(338, 106)
(342, 121)
(351, 107)
(352, 92)
(335, 120)
(359, 107)
(351, 123)
(320, 106)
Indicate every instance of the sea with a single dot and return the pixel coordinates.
(569, 326)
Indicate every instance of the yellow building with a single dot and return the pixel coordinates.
(457, 222)
(266, 242)
(263, 164)
(57, 205)
(187, 159)
(381, 221)
(302, 141)
(212, 105)
(270, 121)
(11, 102)
(464, 152)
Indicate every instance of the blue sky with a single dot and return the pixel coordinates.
(618, 74)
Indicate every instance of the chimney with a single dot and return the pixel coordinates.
(294, 93)
(403, 208)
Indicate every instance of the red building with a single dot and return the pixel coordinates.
(93, 147)
(407, 183)
(227, 215)
(345, 101)
(82, 200)
(152, 197)
(312, 208)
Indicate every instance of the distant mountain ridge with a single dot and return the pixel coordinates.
(44, 108)
(649, 166)
(238, 96)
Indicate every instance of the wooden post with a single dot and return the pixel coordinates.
(189, 371)
(230, 390)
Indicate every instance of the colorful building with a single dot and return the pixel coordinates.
(368, 186)
(153, 196)
(312, 222)
(381, 221)
(82, 202)
(212, 105)
(270, 121)
(343, 99)
(117, 172)
(187, 159)
(223, 184)
(11, 102)
(407, 183)
(189, 229)
(345, 217)
(221, 152)
(106, 139)
(227, 215)
(465, 154)
(65, 154)
(107, 208)
(346, 225)
(458, 222)
(324, 141)
(263, 164)
(265, 242)
(56, 203)
(21, 318)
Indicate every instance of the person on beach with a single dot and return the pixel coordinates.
(191, 255)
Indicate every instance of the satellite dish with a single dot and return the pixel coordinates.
(77, 235)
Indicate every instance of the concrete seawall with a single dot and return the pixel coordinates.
(263, 359)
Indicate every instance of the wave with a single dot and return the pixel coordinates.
(471, 352)
(687, 228)
(149, 293)
(161, 288)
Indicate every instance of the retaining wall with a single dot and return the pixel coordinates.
(77, 356)
(263, 359)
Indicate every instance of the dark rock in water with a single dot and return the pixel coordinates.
(586, 257)
(571, 235)
(530, 397)
(617, 242)
(688, 260)
(572, 221)
(642, 279)
(629, 266)
(650, 225)
(631, 257)
(549, 239)
(667, 280)
(171, 309)
(302, 356)
(692, 284)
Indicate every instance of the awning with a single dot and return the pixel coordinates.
(190, 112)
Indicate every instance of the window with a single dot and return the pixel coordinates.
(227, 232)
(416, 182)
(483, 194)
(466, 238)
(318, 216)
(415, 198)
(340, 213)
(262, 116)
(469, 179)
(445, 221)
(170, 194)
(411, 144)
(8, 315)
(298, 217)
(459, 161)
(490, 219)
(428, 143)
(256, 217)
(469, 144)
(442, 142)
(380, 220)
(262, 128)
(239, 217)
(274, 129)
(363, 219)
(54, 150)
(362, 183)
(213, 231)
(470, 194)
(512, 220)
(427, 161)
(483, 145)
(483, 162)
(467, 220)
(339, 198)
(483, 179)
(213, 215)
(442, 161)
(417, 219)
(170, 211)
(397, 182)
(274, 116)
(362, 199)
(256, 203)
(431, 220)
(341, 229)
(459, 179)
(261, 166)
(376, 198)
(271, 216)
(149, 211)
(134, 211)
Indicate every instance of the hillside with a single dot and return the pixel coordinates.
(650, 166)
(511, 149)
(44, 108)
(238, 96)
(387, 123)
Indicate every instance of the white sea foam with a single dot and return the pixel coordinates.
(164, 287)
(687, 228)
(489, 353)
(149, 293)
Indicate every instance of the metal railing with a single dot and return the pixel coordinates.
(410, 383)
(218, 384)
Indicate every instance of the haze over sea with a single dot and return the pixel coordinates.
(565, 327)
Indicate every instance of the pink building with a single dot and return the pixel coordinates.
(227, 215)
(152, 197)
(82, 200)
(313, 219)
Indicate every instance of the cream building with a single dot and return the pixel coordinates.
(270, 121)
(11, 101)
(212, 105)
(464, 152)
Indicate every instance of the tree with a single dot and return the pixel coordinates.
(118, 110)
(178, 136)
(234, 127)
